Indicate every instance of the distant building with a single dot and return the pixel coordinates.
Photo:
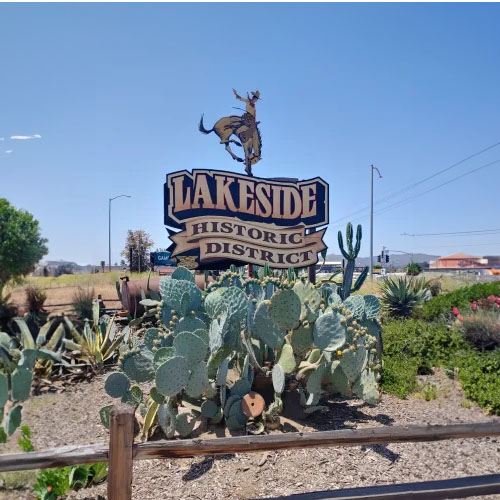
(461, 261)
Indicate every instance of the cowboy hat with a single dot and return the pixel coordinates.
(256, 94)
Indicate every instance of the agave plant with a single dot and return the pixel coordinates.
(401, 294)
(99, 340)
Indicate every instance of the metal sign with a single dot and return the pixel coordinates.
(162, 259)
(226, 218)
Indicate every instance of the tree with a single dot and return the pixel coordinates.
(21, 245)
(136, 250)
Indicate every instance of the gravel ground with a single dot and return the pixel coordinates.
(72, 418)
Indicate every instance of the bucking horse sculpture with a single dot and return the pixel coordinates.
(244, 128)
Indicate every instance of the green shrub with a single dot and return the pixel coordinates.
(82, 301)
(413, 347)
(479, 374)
(481, 329)
(413, 269)
(442, 305)
(399, 375)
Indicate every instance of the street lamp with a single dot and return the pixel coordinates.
(371, 221)
(109, 226)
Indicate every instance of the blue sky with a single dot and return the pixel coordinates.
(116, 91)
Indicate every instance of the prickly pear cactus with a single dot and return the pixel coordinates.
(285, 309)
(330, 331)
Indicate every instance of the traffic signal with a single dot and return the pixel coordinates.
(379, 259)
(387, 258)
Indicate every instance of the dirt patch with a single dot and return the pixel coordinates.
(72, 418)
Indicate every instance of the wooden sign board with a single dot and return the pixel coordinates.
(227, 218)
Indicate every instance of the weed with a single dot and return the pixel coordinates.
(82, 302)
(25, 440)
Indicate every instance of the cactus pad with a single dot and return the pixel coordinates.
(214, 303)
(329, 333)
(172, 376)
(203, 334)
(222, 373)
(366, 387)
(236, 303)
(241, 387)
(353, 362)
(307, 294)
(229, 402)
(340, 383)
(265, 329)
(314, 380)
(287, 359)
(117, 384)
(138, 365)
(167, 418)
(162, 354)
(133, 396)
(185, 423)
(156, 396)
(4, 389)
(190, 347)
(13, 420)
(285, 309)
(209, 409)
(372, 306)
(189, 324)
(198, 381)
(278, 379)
(182, 273)
(301, 339)
(356, 306)
(21, 384)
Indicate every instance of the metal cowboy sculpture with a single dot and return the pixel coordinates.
(244, 128)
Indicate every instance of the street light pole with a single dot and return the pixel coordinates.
(109, 226)
(371, 220)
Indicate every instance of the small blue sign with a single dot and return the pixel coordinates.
(163, 259)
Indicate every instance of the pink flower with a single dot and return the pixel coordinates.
(474, 306)
(492, 298)
(455, 311)
(460, 317)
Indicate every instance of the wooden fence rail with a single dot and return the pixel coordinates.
(122, 451)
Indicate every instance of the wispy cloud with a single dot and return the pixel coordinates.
(9, 151)
(2, 139)
(25, 137)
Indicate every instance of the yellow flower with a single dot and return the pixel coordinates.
(339, 353)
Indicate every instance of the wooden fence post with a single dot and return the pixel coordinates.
(121, 442)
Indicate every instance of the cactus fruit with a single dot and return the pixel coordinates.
(329, 333)
(191, 347)
(278, 379)
(356, 305)
(182, 273)
(117, 384)
(138, 365)
(287, 359)
(21, 383)
(265, 329)
(133, 396)
(198, 381)
(353, 362)
(172, 376)
(285, 309)
(209, 409)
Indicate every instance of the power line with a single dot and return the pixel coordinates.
(403, 202)
(475, 231)
(411, 186)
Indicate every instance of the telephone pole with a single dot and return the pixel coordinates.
(371, 220)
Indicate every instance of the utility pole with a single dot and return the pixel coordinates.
(371, 220)
(109, 226)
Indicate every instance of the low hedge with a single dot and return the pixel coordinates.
(441, 306)
(413, 347)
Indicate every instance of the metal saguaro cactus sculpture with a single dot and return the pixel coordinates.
(350, 255)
